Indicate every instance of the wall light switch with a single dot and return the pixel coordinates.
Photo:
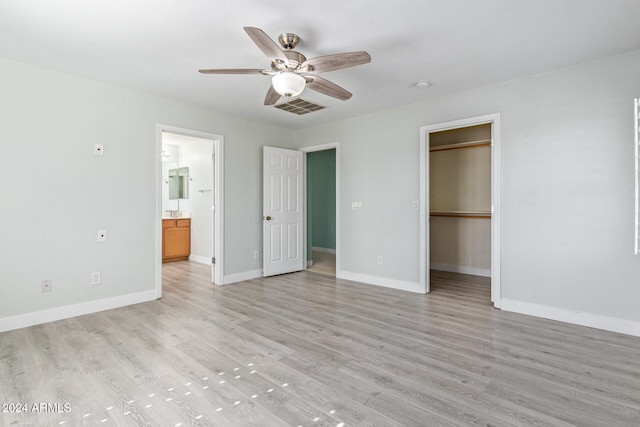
(98, 149)
(356, 206)
(95, 278)
(415, 205)
(102, 236)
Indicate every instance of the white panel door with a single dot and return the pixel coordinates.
(283, 211)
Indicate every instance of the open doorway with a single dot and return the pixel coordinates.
(321, 203)
(459, 192)
(190, 211)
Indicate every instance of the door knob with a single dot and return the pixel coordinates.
(268, 218)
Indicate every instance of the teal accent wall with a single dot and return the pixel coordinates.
(321, 200)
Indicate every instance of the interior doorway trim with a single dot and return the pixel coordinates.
(494, 120)
(218, 202)
(310, 149)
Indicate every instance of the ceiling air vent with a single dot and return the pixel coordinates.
(299, 106)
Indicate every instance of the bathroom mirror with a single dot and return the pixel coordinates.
(179, 183)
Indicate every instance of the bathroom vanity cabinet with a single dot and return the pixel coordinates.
(176, 239)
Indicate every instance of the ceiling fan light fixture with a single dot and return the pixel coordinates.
(288, 84)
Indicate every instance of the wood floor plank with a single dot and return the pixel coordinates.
(337, 404)
(252, 387)
(309, 349)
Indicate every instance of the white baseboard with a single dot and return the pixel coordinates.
(381, 281)
(200, 259)
(59, 313)
(239, 277)
(325, 250)
(461, 269)
(597, 321)
(310, 263)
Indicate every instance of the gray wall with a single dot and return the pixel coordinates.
(57, 193)
(566, 187)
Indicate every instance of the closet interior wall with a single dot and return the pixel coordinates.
(460, 200)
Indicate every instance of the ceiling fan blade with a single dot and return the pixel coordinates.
(266, 45)
(272, 96)
(328, 88)
(338, 61)
(235, 71)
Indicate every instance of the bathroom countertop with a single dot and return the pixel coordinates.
(176, 215)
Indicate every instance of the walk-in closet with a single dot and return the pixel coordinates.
(460, 200)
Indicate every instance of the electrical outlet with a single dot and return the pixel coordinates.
(256, 255)
(356, 206)
(380, 259)
(102, 236)
(98, 149)
(47, 285)
(95, 278)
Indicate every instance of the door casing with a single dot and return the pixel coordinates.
(494, 120)
(322, 147)
(218, 201)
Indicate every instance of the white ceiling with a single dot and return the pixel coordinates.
(157, 46)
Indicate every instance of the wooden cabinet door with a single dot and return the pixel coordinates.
(176, 240)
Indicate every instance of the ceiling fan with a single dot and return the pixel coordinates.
(291, 71)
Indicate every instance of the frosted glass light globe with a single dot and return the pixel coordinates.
(288, 84)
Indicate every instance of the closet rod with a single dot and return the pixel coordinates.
(461, 214)
(458, 145)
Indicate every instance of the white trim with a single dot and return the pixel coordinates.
(496, 213)
(200, 259)
(310, 149)
(424, 212)
(240, 277)
(424, 251)
(158, 213)
(461, 269)
(320, 147)
(218, 226)
(636, 120)
(597, 321)
(323, 250)
(66, 312)
(218, 202)
(494, 119)
(381, 281)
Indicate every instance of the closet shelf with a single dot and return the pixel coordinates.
(462, 214)
(459, 145)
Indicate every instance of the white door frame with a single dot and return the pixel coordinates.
(310, 149)
(218, 202)
(494, 120)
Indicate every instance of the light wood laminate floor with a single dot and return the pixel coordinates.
(323, 263)
(306, 349)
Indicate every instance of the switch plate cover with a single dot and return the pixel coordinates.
(95, 278)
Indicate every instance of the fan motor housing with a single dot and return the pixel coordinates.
(295, 60)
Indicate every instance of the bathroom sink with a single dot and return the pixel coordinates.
(175, 214)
